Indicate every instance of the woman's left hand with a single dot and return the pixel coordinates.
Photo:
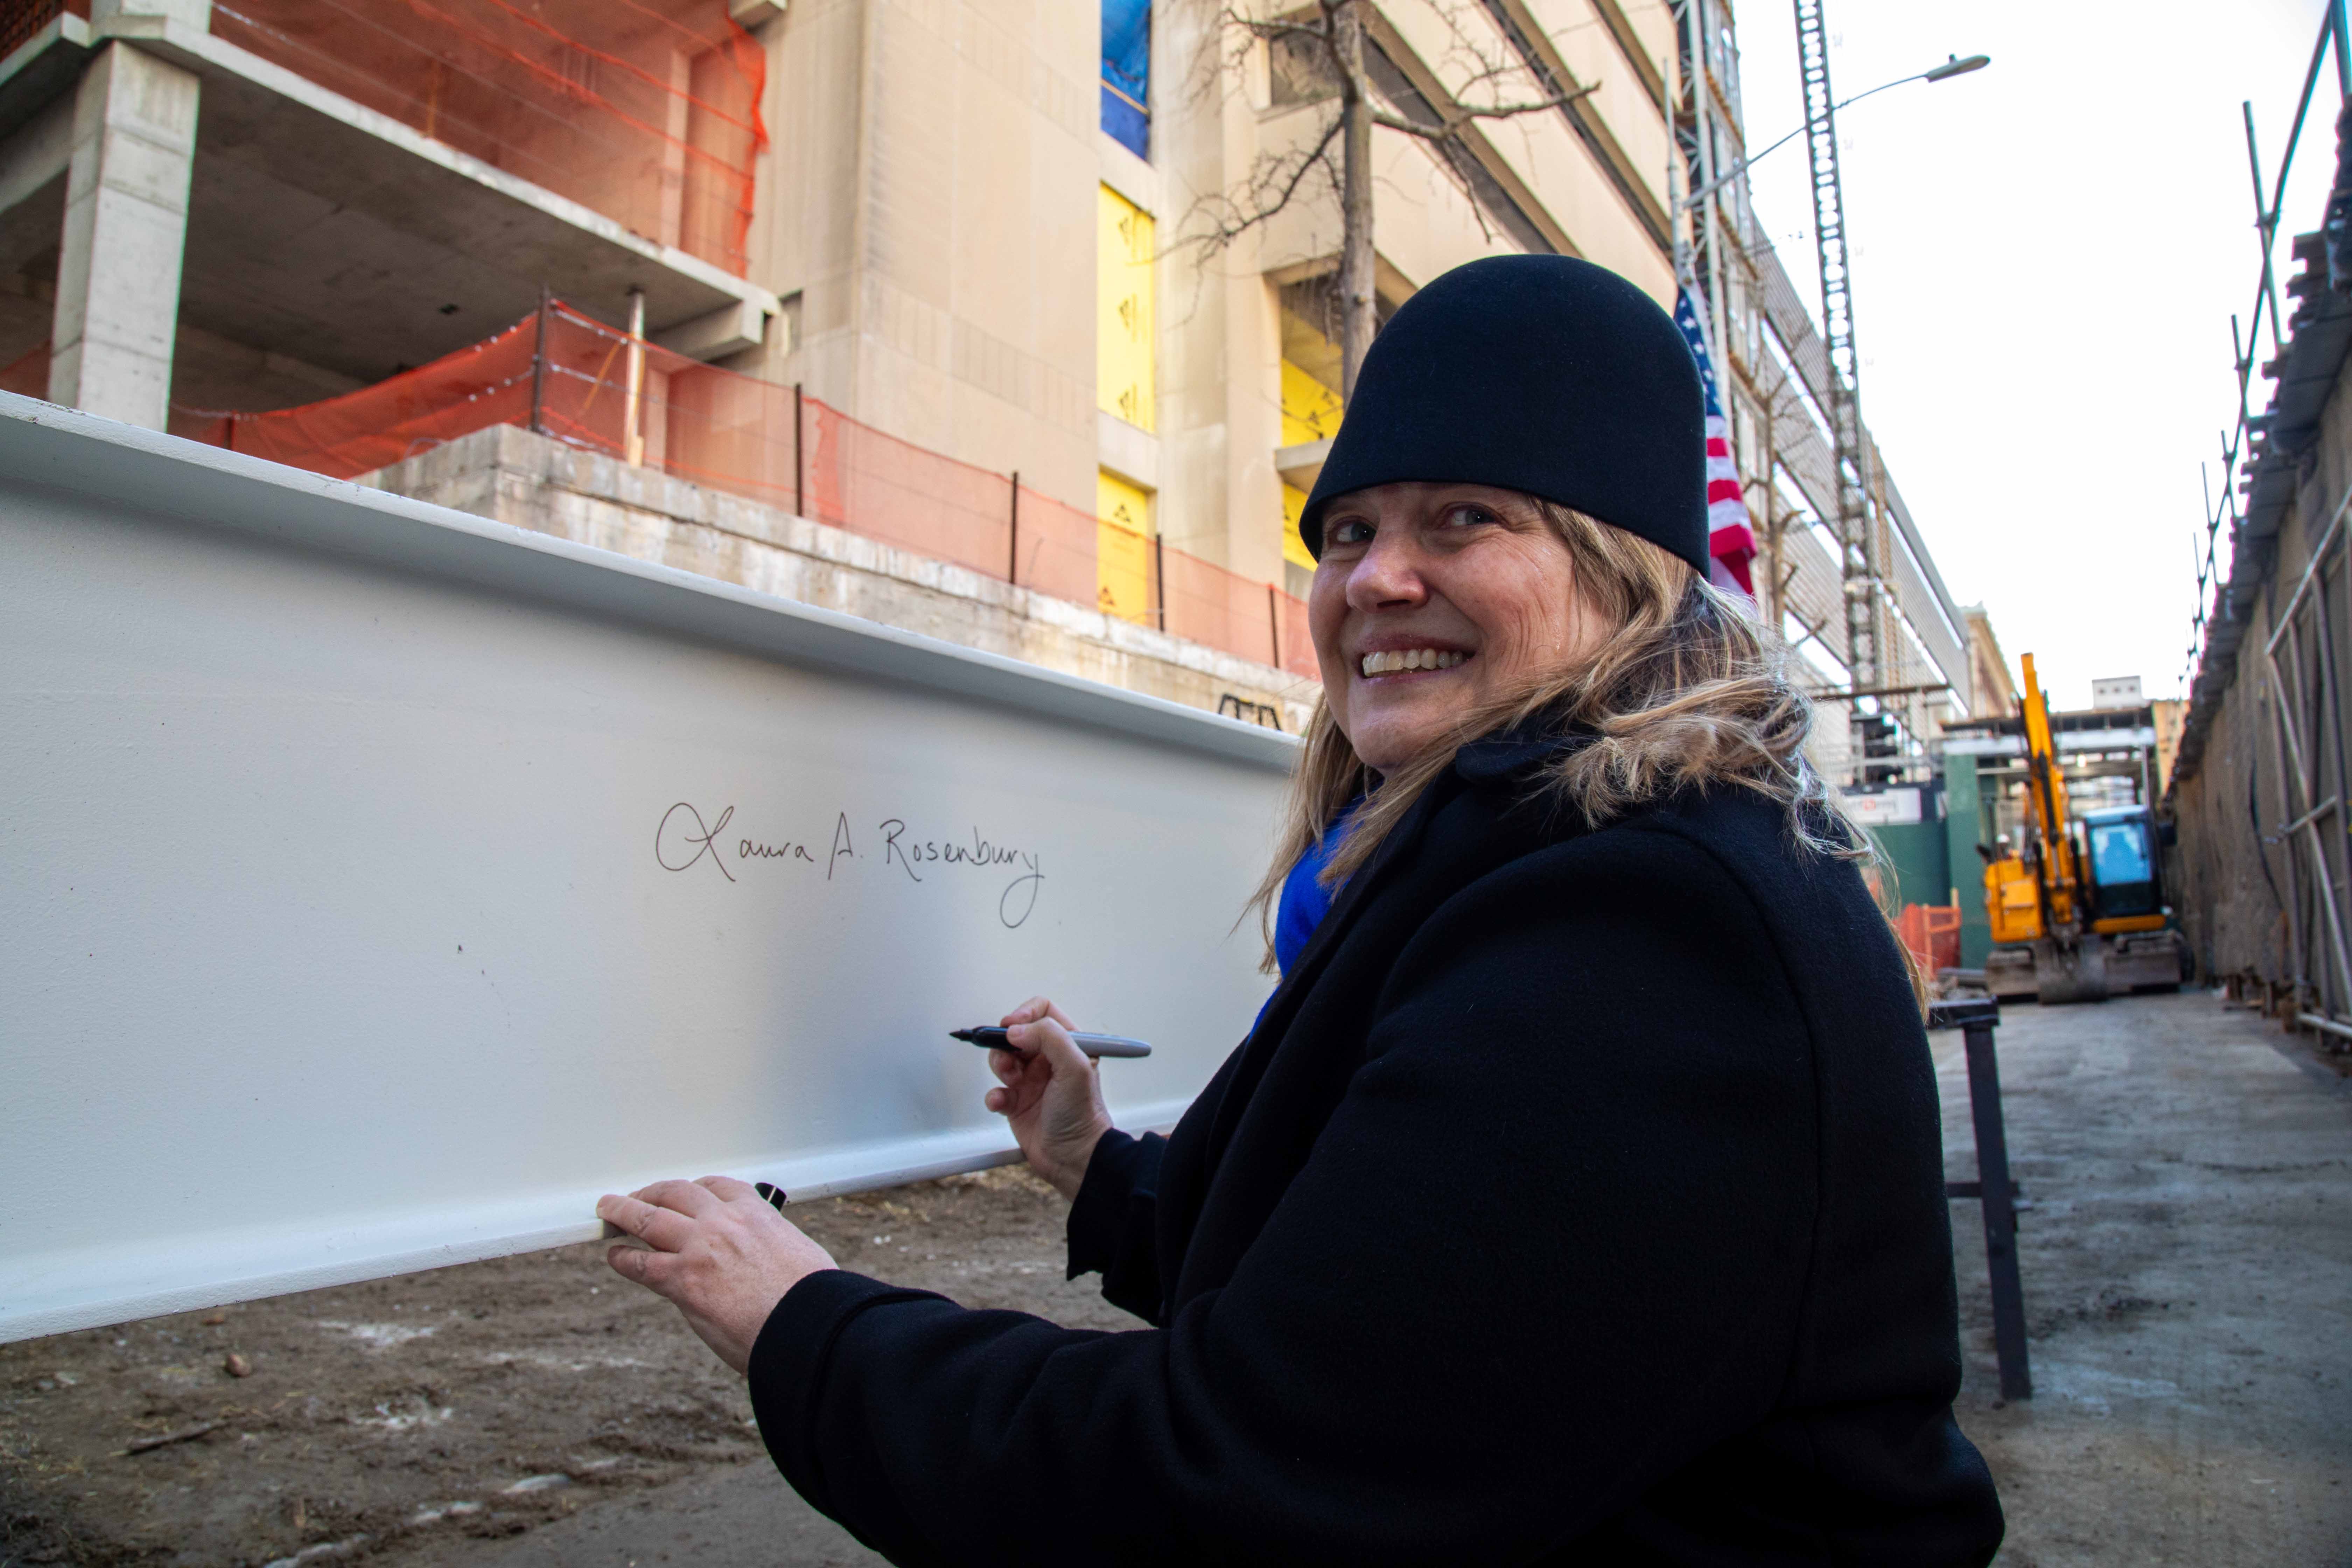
(722, 1254)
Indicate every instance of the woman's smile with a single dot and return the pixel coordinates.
(1388, 663)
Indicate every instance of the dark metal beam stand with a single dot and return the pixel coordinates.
(1994, 1191)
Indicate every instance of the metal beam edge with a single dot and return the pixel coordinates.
(44, 448)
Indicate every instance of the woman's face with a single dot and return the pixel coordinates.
(1453, 596)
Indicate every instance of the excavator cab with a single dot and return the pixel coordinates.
(2127, 887)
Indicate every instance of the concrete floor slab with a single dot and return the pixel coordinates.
(325, 232)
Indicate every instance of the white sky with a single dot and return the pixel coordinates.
(2046, 254)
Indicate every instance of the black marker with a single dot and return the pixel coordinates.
(994, 1039)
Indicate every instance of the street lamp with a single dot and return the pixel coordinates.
(1952, 67)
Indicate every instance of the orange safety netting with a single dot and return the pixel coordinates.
(416, 411)
(28, 374)
(1203, 602)
(1932, 932)
(21, 19)
(645, 110)
(592, 386)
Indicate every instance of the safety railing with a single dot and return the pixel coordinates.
(571, 377)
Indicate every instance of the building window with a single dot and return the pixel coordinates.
(1298, 68)
(1127, 73)
(1124, 559)
(1123, 356)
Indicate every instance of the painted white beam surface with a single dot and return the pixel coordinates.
(381, 883)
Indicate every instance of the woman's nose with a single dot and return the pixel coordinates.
(1387, 576)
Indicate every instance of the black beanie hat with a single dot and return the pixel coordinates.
(1539, 374)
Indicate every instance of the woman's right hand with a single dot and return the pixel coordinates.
(1052, 1094)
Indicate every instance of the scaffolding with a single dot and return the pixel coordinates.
(2262, 789)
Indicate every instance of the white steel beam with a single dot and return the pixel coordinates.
(383, 883)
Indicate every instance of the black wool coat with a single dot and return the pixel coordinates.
(1578, 1198)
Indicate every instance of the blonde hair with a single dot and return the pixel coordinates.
(1685, 691)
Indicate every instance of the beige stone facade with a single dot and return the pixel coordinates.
(928, 215)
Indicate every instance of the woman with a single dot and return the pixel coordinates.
(1579, 1194)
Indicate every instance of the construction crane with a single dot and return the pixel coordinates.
(2077, 908)
(1858, 556)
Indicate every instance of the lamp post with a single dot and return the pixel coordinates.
(1954, 66)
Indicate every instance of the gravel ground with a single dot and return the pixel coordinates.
(2187, 1273)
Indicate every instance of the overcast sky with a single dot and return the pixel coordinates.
(2046, 255)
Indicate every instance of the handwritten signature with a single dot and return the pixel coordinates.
(683, 840)
(692, 832)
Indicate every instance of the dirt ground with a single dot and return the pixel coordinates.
(2187, 1276)
(418, 1419)
(2187, 1266)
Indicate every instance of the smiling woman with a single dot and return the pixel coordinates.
(1449, 610)
(1578, 1195)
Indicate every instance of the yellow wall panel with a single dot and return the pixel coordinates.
(1310, 410)
(1123, 548)
(1123, 328)
(1294, 545)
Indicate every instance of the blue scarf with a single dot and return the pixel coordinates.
(1304, 900)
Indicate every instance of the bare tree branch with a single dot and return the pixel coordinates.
(1505, 111)
(1268, 189)
(1445, 129)
(1322, 52)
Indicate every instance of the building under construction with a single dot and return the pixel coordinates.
(971, 318)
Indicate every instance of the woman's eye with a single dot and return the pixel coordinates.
(1349, 532)
(1468, 517)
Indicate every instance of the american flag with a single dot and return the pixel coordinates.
(1730, 545)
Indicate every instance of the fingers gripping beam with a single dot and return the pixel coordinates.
(635, 1221)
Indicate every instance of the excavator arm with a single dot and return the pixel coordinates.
(2057, 875)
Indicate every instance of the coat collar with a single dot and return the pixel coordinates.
(1513, 753)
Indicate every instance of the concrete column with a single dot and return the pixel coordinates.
(126, 224)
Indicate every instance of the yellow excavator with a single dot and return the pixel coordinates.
(2077, 908)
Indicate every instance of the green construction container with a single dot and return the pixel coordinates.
(1964, 827)
(1907, 822)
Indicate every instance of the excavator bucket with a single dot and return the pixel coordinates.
(2070, 975)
